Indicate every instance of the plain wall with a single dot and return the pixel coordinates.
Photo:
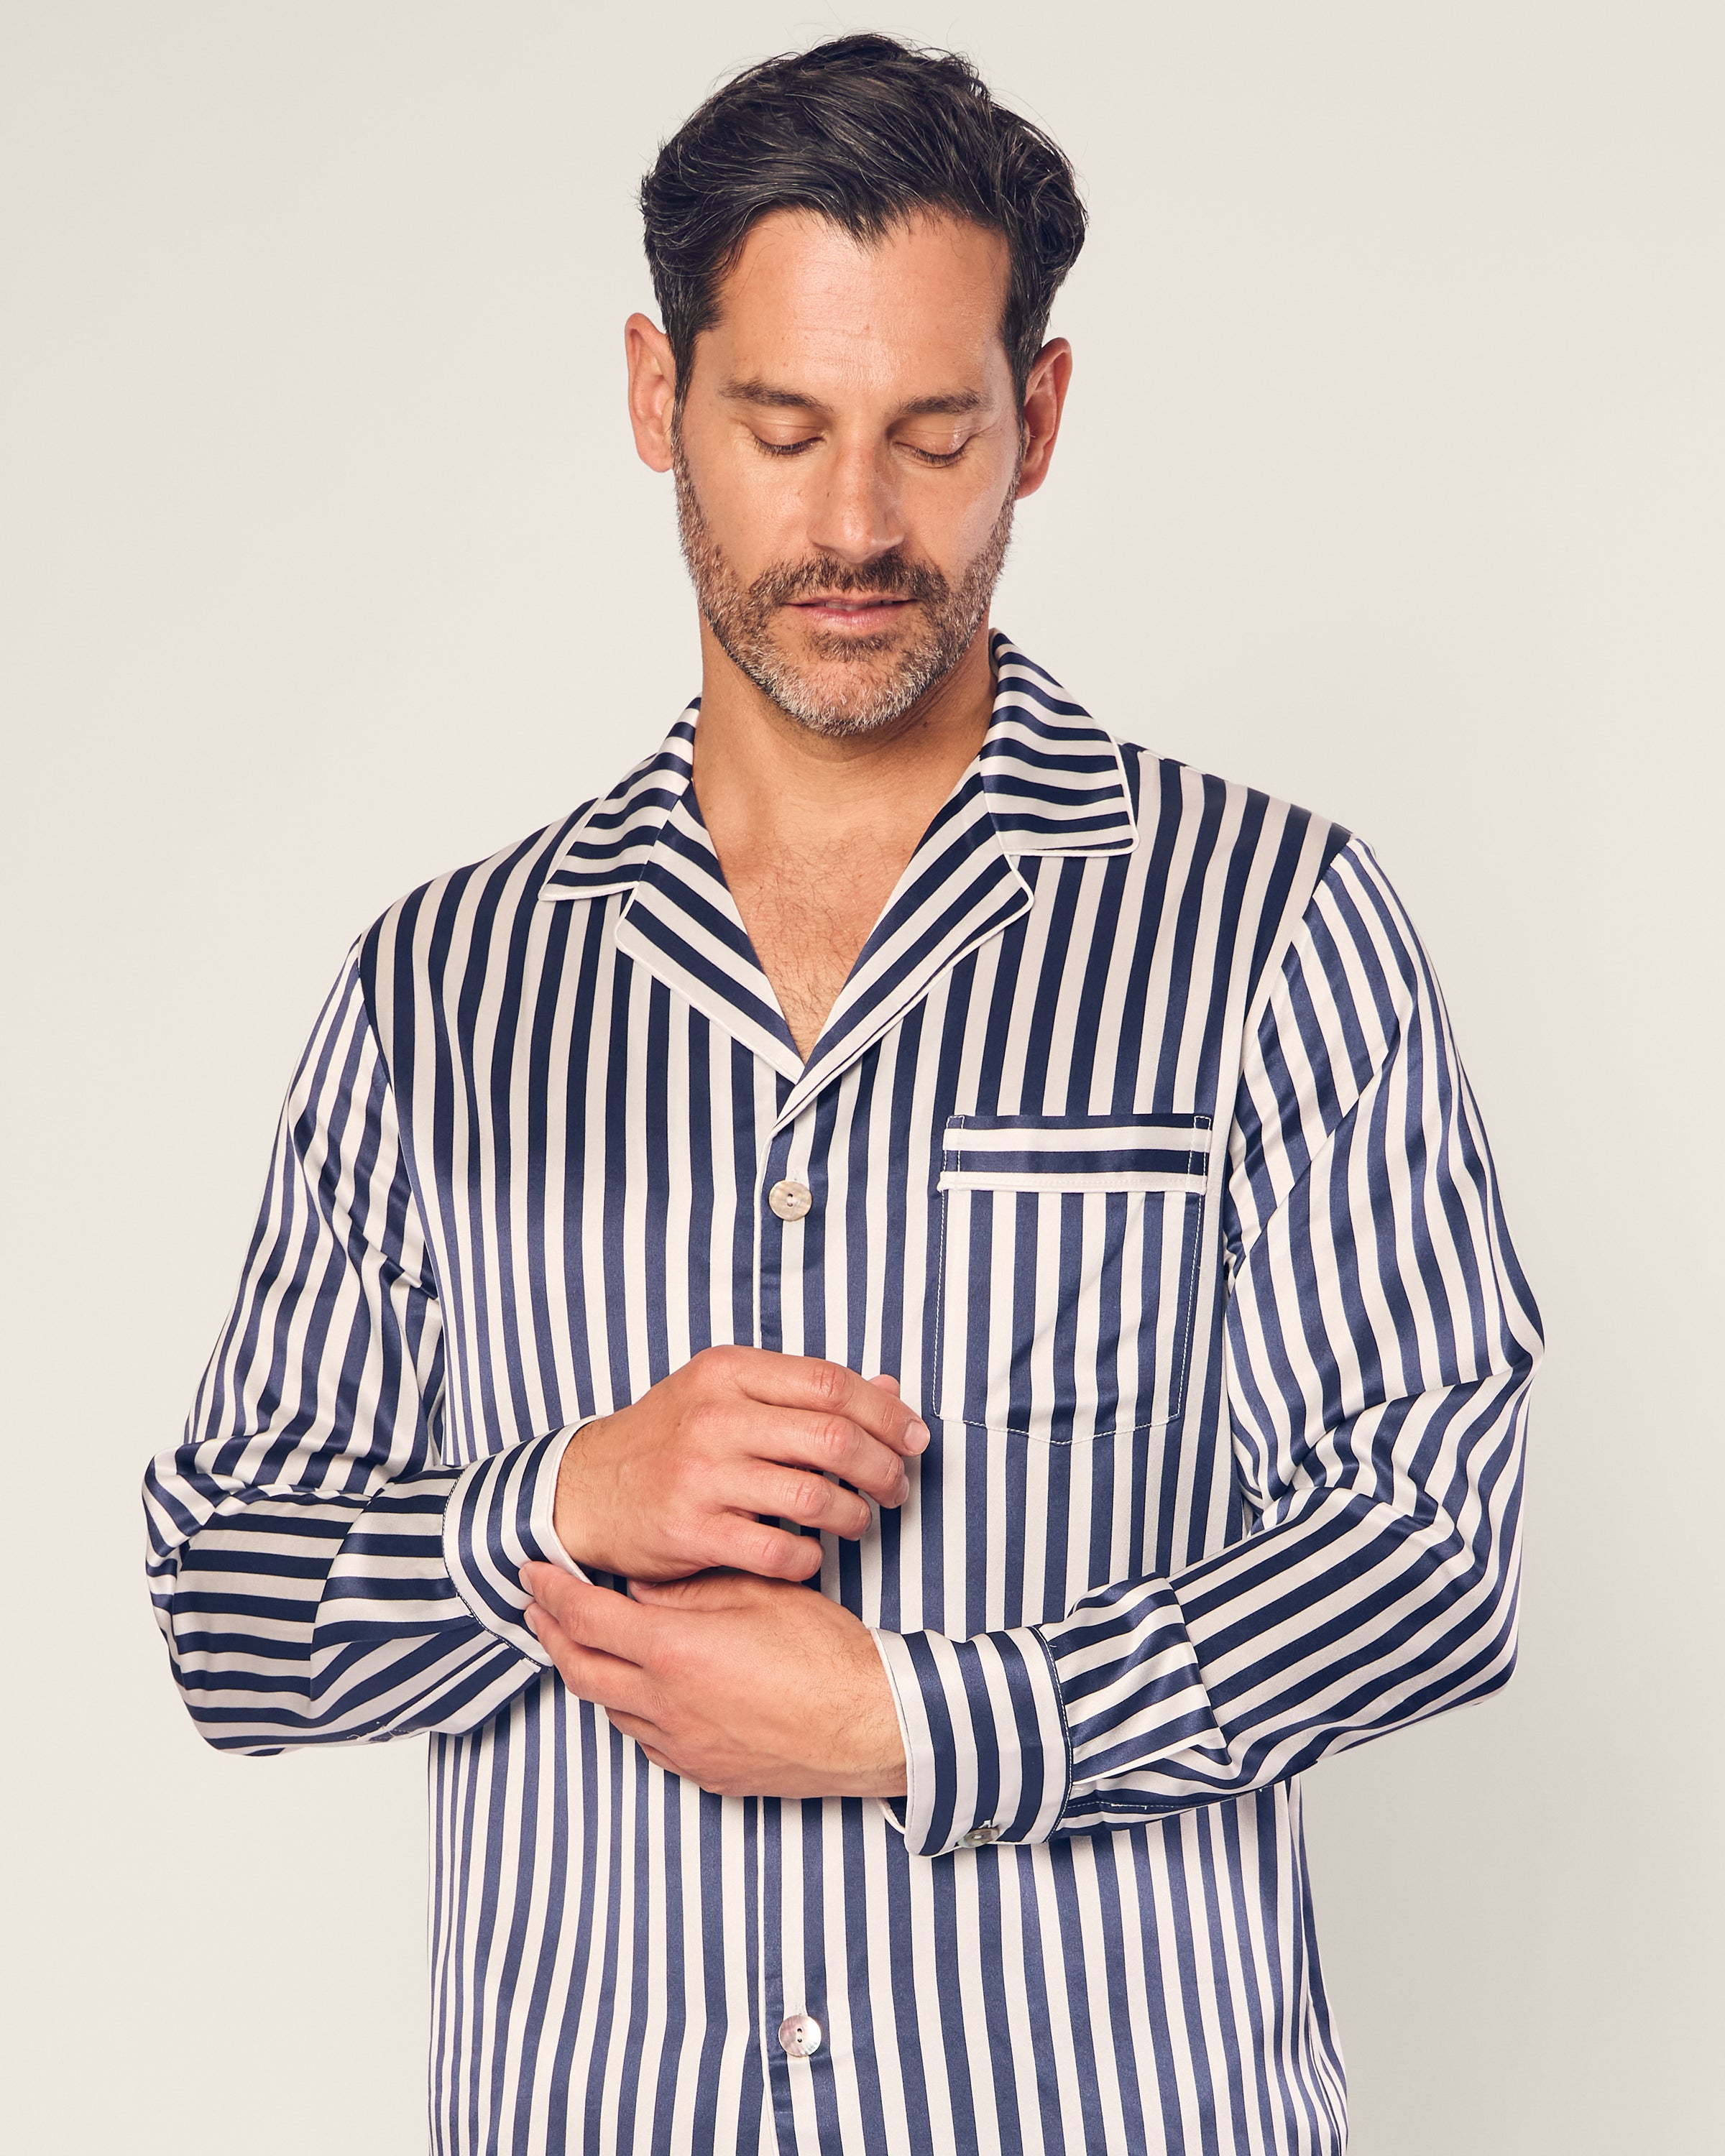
(1392, 482)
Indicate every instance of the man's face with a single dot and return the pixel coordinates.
(847, 458)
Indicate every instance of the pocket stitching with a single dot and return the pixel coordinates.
(940, 1293)
(1176, 1405)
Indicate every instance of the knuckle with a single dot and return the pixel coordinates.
(723, 1363)
(832, 1437)
(805, 1497)
(770, 1551)
(701, 1419)
(827, 1381)
(688, 1460)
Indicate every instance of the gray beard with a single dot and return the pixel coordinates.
(741, 616)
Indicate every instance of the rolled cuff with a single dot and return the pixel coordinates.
(499, 1518)
(986, 1754)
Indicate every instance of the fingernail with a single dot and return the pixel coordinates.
(529, 1618)
(919, 1436)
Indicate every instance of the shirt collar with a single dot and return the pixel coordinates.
(1052, 781)
(1046, 780)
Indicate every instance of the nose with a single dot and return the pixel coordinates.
(856, 514)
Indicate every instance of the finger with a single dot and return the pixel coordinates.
(831, 1444)
(799, 1493)
(810, 1382)
(614, 1685)
(651, 1738)
(742, 1543)
(718, 1589)
(887, 1384)
(593, 1616)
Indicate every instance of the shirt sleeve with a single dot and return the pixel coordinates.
(318, 1572)
(1380, 1339)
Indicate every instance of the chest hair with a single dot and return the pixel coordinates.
(807, 918)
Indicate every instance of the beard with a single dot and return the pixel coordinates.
(873, 680)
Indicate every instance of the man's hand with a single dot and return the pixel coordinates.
(750, 1687)
(680, 1482)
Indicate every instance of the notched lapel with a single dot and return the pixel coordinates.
(645, 842)
(1046, 780)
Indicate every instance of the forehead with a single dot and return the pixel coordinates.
(809, 304)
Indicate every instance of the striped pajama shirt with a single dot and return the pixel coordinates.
(1137, 1148)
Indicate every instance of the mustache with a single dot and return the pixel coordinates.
(785, 583)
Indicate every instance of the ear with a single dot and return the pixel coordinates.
(1044, 400)
(652, 390)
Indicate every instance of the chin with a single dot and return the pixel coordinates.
(840, 706)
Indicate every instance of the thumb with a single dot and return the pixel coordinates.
(886, 1383)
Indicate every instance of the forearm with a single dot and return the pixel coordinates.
(1358, 1610)
(1357, 1607)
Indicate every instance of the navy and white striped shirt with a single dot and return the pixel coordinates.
(1140, 1153)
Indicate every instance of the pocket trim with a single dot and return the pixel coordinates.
(1123, 1180)
(1126, 1153)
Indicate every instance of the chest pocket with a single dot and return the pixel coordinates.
(1068, 1265)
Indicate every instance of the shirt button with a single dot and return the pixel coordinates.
(987, 1832)
(791, 1201)
(800, 2034)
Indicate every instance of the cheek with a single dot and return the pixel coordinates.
(759, 510)
(958, 507)
(951, 529)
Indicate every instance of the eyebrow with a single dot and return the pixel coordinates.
(952, 404)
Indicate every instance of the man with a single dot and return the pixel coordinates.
(900, 1144)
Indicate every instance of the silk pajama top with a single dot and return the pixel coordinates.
(1137, 1146)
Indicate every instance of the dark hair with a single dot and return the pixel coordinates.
(867, 132)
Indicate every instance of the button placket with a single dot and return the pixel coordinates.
(771, 1239)
(777, 1249)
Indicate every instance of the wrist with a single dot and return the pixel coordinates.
(885, 1770)
(573, 1513)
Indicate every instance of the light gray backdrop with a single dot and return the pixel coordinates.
(1392, 482)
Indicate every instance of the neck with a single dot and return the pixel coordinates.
(813, 834)
(758, 772)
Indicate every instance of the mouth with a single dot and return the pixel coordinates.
(860, 611)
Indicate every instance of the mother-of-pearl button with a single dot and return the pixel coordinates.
(800, 2034)
(790, 1200)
